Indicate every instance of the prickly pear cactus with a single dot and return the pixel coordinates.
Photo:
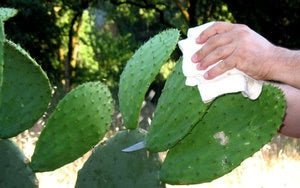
(1, 55)
(178, 110)
(110, 167)
(140, 71)
(233, 129)
(5, 13)
(14, 171)
(25, 91)
(79, 122)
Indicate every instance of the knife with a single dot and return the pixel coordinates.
(135, 147)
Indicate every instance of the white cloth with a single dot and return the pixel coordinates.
(229, 82)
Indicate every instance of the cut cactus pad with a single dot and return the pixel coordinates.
(178, 110)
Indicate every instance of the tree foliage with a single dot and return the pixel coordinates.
(278, 20)
(82, 40)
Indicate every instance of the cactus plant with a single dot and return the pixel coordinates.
(205, 141)
(110, 167)
(19, 110)
(5, 13)
(79, 122)
(140, 71)
(178, 110)
(233, 129)
(14, 171)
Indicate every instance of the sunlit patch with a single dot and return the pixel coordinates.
(222, 138)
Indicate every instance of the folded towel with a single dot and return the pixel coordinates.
(229, 82)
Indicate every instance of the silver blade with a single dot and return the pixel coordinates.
(135, 147)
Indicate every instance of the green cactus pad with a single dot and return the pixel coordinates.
(6, 13)
(233, 129)
(140, 71)
(179, 109)
(110, 167)
(79, 122)
(2, 38)
(25, 91)
(14, 171)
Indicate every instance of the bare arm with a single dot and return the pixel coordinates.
(242, 48)
(291, 124)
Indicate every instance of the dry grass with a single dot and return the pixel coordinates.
(262, 170)
(275, 165)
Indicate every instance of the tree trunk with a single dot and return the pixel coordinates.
(70, 62)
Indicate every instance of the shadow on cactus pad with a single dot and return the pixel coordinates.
(108, 166)
(14, 171)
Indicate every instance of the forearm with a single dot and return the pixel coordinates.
(286, 66)
(291, 123)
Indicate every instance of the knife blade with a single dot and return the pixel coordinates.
(135, 147)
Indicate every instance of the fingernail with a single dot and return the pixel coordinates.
(198, 40)
(195, 58)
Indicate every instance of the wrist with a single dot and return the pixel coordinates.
(285, 66)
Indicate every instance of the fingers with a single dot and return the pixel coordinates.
(216, 28)
(219, 69)
(216, 55)
(214, 46)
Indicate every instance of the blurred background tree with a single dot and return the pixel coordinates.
(84, 40)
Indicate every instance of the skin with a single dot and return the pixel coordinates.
(242, 48)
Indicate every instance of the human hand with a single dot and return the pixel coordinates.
(238, 46)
